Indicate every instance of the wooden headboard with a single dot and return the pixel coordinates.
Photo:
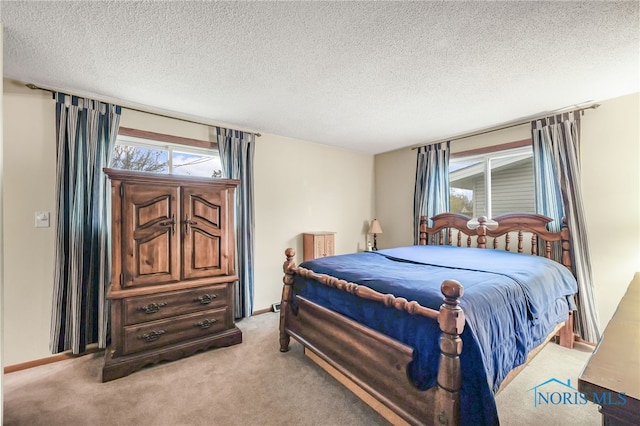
(452, 229)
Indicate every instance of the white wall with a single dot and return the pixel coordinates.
(155, 123)
(29, 186)
(300, 186)
(395, 178)
(610, 178)
(611, 187)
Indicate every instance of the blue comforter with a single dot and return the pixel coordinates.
(511, 303)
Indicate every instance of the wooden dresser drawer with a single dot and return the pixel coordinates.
(164, 305)
(159, 333)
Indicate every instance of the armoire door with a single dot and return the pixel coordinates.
(151, 235)
(205, 248)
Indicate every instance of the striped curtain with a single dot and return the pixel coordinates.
(236, 154)
(547, 194)
(548, 198)
(86, 132)
(556, 144)
(431, 194)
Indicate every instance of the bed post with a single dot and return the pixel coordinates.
(451, 320)
(287, 292)
(566, 244)
(566, 334)
(423, 231)
(482, 232)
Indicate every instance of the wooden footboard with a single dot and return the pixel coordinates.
(371, 360)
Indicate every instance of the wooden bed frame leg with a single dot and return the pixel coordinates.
(566, 335)
(287, 293)
(451, 321)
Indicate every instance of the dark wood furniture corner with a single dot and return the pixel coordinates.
(614, 367)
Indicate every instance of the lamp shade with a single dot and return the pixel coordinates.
(374, 227)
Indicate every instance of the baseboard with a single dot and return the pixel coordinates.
(262, 311)
(68, 355)
(274, 308)
(48, 360)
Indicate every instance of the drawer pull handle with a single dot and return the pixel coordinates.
(152, 308)
(152, 336)
(206, 323)
(206, 299)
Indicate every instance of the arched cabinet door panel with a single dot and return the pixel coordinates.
(205, 249)
(151, 245)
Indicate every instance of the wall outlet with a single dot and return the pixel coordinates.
(275, 307)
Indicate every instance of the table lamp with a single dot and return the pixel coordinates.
(375, 228)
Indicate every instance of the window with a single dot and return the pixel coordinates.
(491, 184)
(157, 155)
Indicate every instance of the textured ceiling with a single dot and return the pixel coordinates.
(371, 76)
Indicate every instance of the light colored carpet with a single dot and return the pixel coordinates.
(516, 402)
(248, 384)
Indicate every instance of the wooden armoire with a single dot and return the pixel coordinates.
(173, 272)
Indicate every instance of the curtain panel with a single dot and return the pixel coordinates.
(548, 197)
(431, 193)
(236, 155)
(86, 132)
(556, 152)
(547, 193)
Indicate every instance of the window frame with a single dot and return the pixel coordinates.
(169, 143)
(486, 155)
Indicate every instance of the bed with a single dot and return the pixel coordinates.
(393, 323)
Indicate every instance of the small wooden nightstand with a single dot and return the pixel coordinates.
(318, 244)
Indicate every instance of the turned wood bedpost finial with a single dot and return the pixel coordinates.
(482, 232)
(451, 321)
(287, 292)
(423, 230)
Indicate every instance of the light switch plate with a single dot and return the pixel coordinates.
(42, 219)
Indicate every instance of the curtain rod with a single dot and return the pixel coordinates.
(505, 126)
(34, 87)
